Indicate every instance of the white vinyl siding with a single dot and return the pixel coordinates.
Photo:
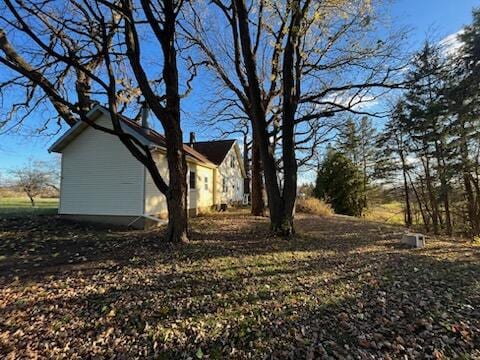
(231, 178)
(100, 176)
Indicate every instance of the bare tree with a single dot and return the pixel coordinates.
(97, 43)
(227, 115)
(34, 178)
(293, 64)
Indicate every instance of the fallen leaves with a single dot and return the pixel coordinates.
(342, 288)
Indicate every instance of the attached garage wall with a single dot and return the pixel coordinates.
(100, 176)
(155, 201)
(202, 197)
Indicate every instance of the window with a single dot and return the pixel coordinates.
(232, 161)
(193, 180)
(224, 185)
(206, 183)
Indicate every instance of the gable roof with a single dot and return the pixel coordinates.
(215, 150)
(159, 140)
(147, 136)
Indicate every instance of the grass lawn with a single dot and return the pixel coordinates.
(391, 213)
(341, 288)
(19, 206)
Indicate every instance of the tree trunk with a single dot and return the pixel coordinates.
(169, 115)
(431, 196)
(259, 124)
(471, 209)
(419, 200)
(408, 208)
(177, 229)
(32, 200)
(246, 165)
(469, 194)
(442, 166)
(365, 179)
(258, 204)
(177, 165)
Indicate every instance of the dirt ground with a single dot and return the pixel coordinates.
(341, 288)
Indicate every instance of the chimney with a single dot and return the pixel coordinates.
(145, 113)
(192, 138)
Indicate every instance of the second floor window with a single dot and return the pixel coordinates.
(224, 185)
(206, 183)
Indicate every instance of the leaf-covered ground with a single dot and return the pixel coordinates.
(342, 288)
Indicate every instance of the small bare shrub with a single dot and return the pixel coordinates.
(314, 206)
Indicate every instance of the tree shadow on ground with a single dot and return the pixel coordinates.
(341, 288)
(36, 247)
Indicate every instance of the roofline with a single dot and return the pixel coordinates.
(57, 145)
(75, 130)
(210, 141)
(187, 156)
(239, 157)
(234, 142)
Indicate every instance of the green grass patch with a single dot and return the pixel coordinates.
(390, 213)
(21, 206)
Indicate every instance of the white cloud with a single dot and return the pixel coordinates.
(451, 43)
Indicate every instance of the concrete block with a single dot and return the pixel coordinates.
(414, 240)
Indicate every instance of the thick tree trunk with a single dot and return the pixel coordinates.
(291, 93)
(246, 165)
(259, 123)
(177, 193)
(169, 115)
(177, 229)
(258, 203)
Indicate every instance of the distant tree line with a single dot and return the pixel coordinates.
(434, 136)
(429, 147)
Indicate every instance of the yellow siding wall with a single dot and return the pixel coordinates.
(155, 202)
(203, 194)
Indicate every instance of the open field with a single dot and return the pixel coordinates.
(15, 206)
(391, 213)
(341, 288)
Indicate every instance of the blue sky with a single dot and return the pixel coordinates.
(426, 18)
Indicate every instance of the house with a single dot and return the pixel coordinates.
(102, 182)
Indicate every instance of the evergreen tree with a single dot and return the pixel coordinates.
(339, 182)
(368, 153)
(463, 95)
(427, 125)
(393, 144)
(357, 142)
(348, 141)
